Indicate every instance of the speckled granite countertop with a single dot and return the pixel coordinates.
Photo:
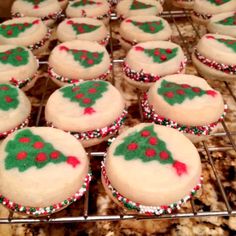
(99, 204)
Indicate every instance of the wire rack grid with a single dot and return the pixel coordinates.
(173, 18)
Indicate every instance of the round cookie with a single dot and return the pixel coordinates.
(99, 9)
(77, 60)
(147, 171)
(92, 111)
(83, 29)
(15, 109)
(186, 103)
(47, 10)
(42, 171)
(147, 62)
(215, 56)
(127, 8)
(18, 66)
(186, 4)
(223, 23)
(203, 10)
(137, 29)
(26, 31)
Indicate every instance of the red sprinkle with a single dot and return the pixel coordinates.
(163, 57)
(168, 50)
(79, 95)
(138, 48)
(211, 93)
(180, 92)
(19, 58)
(90, 61)
(92, 90)
(9, 32)
(196, 90)
(8, 99)
(169, 94)
(5, 88)
(185, 86)
(71, 160)
(87, 100)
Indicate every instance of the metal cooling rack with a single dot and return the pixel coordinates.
(173, 17)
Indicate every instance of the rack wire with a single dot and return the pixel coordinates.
(173, 17)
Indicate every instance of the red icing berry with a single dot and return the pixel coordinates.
(164, 155)
(156, 52)
(26, 24)
(4, 58)
(79, 95)
(132, 146)
(196, 90)
(21, 155)
(63, 48)
(153, 141)
(152, 28)
(96, 84)
(185, 86)
(34, 22)
(89, 110)
(145, 133)
(41, 157)
(169, 94)
(80, 29)
(8, 99)
(19, 58)
(180, 168)
(5, 88)
(83, 57)
(9, 32)
(211, 93)
(75, 89)
(87, 100)
(38, 145)
(163, 57)
(36, 7)
(95, 55)
(128, 21)
(90, 61)
(24, 140)
(150, 152)
(71, 160)
(92, 90)
(54, 155)
(168, 50)
(8, 52)
(180, 92)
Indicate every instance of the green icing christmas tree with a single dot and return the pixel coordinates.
(16, 57)
(146, 146)
(13, 30)
(8, 97)
(81, 28)
(85, 58)
(231, 20)
(150, 27)
(230, 43)
(35, 2)
(83, 3)
(218, 2)
(28, 150)
(85, 94)
(174, 93)
(159, 55)
(137, 5)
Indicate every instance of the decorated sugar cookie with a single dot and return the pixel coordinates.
(83, 29)
(128, 8)
(47, 10)
(223, 23)
(203, 10)
(175, 101)
(18, 66)
(98, 9)
(147, 62)
(26, 31)
(186, 4)
(74, 109)
(49, 166)
(147, 172)
(76, 60)
(15, 109)
(138, 29)
(214, 57)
